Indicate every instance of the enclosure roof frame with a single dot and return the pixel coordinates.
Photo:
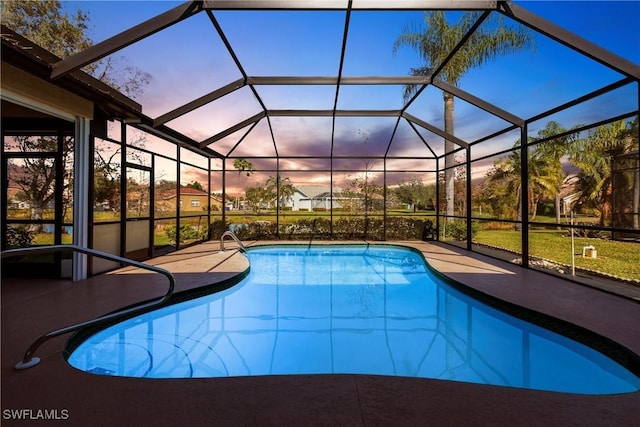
(63, 67)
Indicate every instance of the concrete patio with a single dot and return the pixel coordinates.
(31, 308)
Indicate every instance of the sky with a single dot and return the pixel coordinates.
(189, 60)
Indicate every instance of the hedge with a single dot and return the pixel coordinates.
(354, 228)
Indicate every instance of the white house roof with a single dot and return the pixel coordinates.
(312, 191)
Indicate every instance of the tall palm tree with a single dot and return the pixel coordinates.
(435, 39)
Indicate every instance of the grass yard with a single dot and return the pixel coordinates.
(618, 258)
(47, 239)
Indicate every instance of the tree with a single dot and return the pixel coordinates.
(44, 23)
(545, 178)
(243, 166)
(507, 172)
(415, 194)
(35, 177)
(364, 193)
(258, 198)
(499, 193)
(195, 185)
(630, 136)
(164, 185)
(282, 188)
(594, 155)
(106, 189)
(106, 177)
(435, 39)
(138, 195)
(460, 186)
(548, 173)
(370, 193)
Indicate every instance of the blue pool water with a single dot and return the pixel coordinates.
(347, 309)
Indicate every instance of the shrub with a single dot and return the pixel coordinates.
(357, 228)
(322, 228)
(399, 228)
(256, 230)
(306, 228)
(547, 208)
(187, 232)
(344, 228)
(349, 228)
(217, 228)
(458, 229)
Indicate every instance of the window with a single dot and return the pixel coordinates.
(195, 203)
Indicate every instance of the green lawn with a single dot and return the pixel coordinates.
(47, 239)
(618, 258)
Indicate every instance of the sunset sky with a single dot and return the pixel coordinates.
(189, 60)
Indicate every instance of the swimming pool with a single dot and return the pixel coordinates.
(350, 310)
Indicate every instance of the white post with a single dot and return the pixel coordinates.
(81, 160)
(573, 250)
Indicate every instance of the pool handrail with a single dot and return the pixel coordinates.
(234, 237)
(28, 359)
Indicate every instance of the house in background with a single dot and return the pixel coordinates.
(315, 197)
(191, 200)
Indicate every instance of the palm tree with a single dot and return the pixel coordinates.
(243, 165)
(508, 171)
(630, 136)
(283, 188)
(435, 39)
(545, 177)
(548, 157)
(593, 155)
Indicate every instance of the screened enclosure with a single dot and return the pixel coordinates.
(476, 123)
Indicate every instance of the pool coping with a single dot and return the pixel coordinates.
(315, 399)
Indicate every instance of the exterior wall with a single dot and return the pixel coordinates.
(325, 203)
(189, 203)
(193, 203)
(299, 201)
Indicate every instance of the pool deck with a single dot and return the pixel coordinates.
(31, 308)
